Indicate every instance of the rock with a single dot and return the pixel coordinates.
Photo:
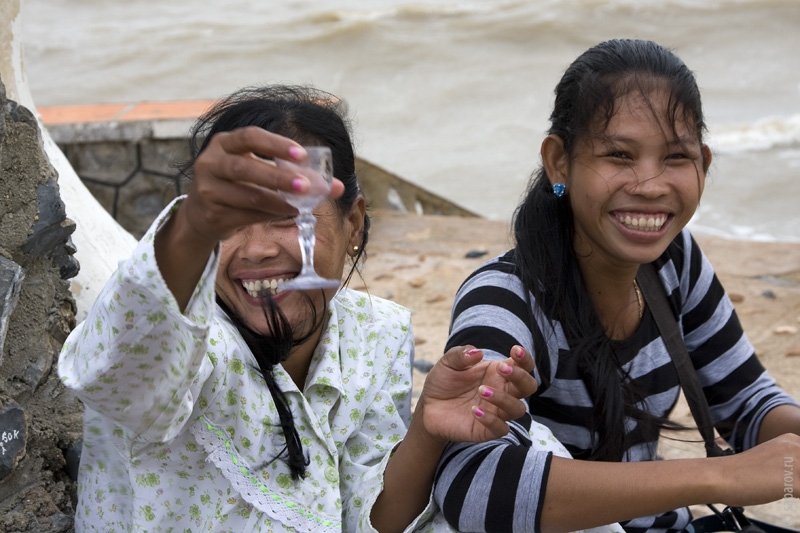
(60, 523)
(777, 280)
(52, 230)
(37, 414)
(768, 294)
(38, 368)
(13, 437)
(473, 254)
(785, 330)
(11, 277)
(735, 297)
(72, 457)
(423, 366)
(38, 512)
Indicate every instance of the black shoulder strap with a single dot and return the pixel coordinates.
(656, 299)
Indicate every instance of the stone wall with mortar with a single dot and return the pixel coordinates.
(40, 421)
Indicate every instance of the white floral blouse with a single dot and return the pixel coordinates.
(180, 429)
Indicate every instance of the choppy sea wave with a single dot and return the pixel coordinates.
(761, 135)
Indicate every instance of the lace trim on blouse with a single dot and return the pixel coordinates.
(222, 454)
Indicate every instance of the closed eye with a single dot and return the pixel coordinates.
(682, 157)
(283, 222)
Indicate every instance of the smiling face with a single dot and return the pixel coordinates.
(635, 185)
(263, 255)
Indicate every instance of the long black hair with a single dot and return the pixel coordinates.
(311, 117)
(585, 100)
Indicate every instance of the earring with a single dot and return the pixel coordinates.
(559, 189)
(355, 248)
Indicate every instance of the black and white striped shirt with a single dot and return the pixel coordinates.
(499, 485)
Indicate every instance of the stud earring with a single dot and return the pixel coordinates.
(559, 189)
(355, 248)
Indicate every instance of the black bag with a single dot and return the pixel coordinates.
(731, 518)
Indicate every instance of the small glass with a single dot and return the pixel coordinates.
(318, 168)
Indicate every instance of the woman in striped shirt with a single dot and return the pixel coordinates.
(623, 170)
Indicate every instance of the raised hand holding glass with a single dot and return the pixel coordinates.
(318, 169)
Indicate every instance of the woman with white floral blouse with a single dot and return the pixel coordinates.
(215, 403)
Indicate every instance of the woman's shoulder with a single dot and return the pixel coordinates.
(683, 256)
(505, 262)
(685, 273)
(369, 309)
(501, 266)
(683, 244)
(362, 323)
(497, 274)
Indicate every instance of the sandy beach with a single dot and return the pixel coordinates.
(420, 261)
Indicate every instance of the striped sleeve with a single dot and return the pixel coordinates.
(490, 309)
(491, 312)
(496, 485)
(739, 390)
(508, 475)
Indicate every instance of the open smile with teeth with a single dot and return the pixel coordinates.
(642, 222)
(256, 287)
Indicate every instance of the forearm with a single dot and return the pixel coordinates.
(182, 255)
(584, 494)
(516, 482)
(779, 421)
(408, 479)
(527, 492)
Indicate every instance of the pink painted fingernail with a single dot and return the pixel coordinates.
(295, 152)
(485, 391)
(505, 368)
(298, 184)
(477, 411)
(472, 351)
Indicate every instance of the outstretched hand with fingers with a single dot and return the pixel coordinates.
(467, 399)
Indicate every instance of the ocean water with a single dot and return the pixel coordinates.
(452, 95)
